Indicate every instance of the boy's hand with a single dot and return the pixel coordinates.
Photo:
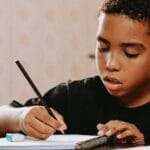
(123, 132)
(36, 122)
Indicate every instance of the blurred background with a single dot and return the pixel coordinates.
(53, 39)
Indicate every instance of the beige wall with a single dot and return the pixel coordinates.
(52, 38)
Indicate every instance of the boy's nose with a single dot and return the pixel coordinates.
(112, 63)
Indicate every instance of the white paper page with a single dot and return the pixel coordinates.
(53, 142)
(134, 148)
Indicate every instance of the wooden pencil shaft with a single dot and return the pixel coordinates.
(33, 87)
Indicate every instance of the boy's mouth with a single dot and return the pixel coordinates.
(111, 80)
(112, 84)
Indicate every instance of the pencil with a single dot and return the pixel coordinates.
(35, 89)
(92, 143)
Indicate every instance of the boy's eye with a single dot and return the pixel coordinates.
(105, 49)
(131, 55)
(102, 46)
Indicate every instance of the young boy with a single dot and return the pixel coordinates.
(117, 102)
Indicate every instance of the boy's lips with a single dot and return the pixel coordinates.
(112, 83)
(112, 80)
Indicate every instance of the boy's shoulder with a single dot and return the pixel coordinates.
(75, 91)
(89, 82)
(87, 79)
(86, 82)
(77, 87)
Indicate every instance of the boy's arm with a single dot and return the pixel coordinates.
(10, 114)
(33, 121)
(9, 119)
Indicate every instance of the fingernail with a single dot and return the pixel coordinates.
(62, 131)
(62, 128)
(119, 136)
(63, 125)
(100, 133)
(108, 133)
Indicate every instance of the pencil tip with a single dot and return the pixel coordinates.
(62, 131)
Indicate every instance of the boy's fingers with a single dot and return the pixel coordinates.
(102, 129)
(38, 118)
(36, 134)
(124, 134)
(36, 122)
(42, 127)
(60, 119)
(111, 131)
(112, 127)
(99, 126)
(46, 118)
(116, 126)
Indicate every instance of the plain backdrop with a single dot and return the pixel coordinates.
(52, 38)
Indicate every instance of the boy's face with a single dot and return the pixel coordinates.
(123, 55)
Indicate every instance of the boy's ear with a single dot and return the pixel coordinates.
(91, 56)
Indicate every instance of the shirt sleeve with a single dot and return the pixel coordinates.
(57, 98)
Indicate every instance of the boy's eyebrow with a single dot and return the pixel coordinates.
(133, 44)
(99, 38)
(125, 44)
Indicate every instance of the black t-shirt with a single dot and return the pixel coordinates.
(85, 103)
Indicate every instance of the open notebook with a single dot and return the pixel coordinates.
(54, 142)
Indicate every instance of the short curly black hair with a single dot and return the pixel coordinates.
(135, 9)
